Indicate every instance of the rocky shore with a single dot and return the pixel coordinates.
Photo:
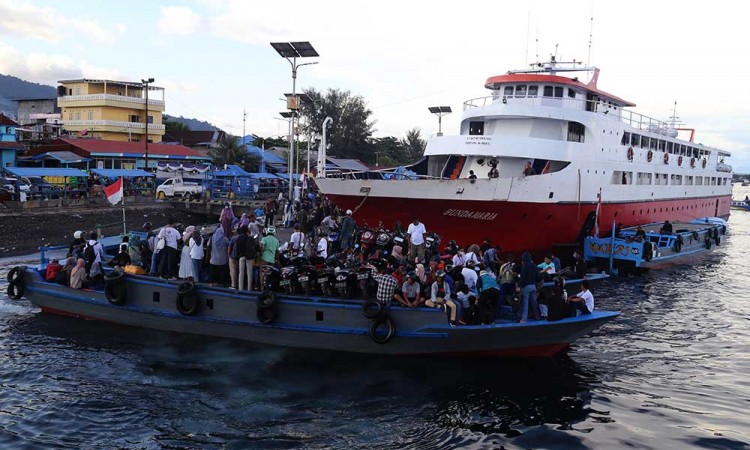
(23, 231)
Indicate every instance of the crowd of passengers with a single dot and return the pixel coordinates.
(470, 283)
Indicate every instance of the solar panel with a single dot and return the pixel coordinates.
(285, 49)
(304, 49)
(440, 109)
(434, 109)
(445, 109)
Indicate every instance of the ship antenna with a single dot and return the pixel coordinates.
(591, 34)
(528, 32)
(675, 118)
(537, 45)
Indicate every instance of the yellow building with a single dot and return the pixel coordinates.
(111, 110)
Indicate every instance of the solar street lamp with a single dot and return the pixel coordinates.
(291, 51)
(440, 111)
(145, 82)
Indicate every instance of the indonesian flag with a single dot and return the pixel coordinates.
(303, 179)
(114, 192)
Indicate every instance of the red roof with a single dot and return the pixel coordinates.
(5, 120)
(534, 78)
(11, 145)
(87, 146)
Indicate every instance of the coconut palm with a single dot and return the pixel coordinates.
(229, 151)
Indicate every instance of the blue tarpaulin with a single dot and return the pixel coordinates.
(285, 176)
(263, 176)
(117, 173)
(44, 172)
(232, 171)
(268, 157)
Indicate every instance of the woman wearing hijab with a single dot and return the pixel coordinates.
(187, 270)
(78, 274)
(244, 220)
(226, 219)
(63, 277)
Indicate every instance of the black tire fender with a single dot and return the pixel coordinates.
(708, 242)
(372, 309)
(188, 303)
(717, 238)
(375, 325)
(268, 307)
(678, 244)
(695, 235)
(16, 274)
(16, 290)
(116, 293)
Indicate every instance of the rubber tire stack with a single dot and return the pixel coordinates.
(16, 285)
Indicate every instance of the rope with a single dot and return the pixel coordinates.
(362, 202)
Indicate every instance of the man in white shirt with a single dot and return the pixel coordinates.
(459, 260)
(169, 253)
(584, 301)
(297, 241)
(470, 276)
(322, 249)
(416, 232)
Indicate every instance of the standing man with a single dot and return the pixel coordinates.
(268, 248)
(169, 253)
(417, 233)
(347, 231)
(271, 206)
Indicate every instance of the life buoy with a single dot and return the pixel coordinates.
(188, 303)
(630, 153)
(692, 162)
(650, 155)
(666, 158)
(375, 324)
(678, 244)
(679, 160)
(268, 307)
(16, 285)
(114, 289)
(704, 163)
(372, 309)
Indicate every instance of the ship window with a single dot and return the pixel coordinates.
(643, 178)
(476, 128)
(635, 140)
(676, 179)
(654, 143)
(669, 147)
(571, 93)
(533, 91)
(688, 181)
(695, 153)
(548, 91)
(521, 90)
(576, 132)
(625, 138)
(662, 143)
(558, 91)
(508, 90)
(644, 141)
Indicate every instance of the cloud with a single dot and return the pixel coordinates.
(48, 69)
(179, 20)
(48, 24)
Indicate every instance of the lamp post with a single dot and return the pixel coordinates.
(291, 51)
(145, 83)
(440, 111)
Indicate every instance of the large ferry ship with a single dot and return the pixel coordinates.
(546, 150)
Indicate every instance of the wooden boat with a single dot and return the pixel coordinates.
(740, 205)
(629, 251)
(349, 325)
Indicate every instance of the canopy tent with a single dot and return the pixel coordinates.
(45, 172)
(285, 176)
(65, 157)
(263, 176)
(117, 173)
(232, 170)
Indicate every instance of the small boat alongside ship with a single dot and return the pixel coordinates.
(653, 247)
(741, 205)
(292, 320)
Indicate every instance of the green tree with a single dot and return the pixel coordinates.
(229, 151)
(390, 151)
(414, 144)
(351, 130)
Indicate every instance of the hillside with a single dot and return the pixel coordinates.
(12, 88)
(193, 124)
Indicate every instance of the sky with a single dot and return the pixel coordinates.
(214, 58)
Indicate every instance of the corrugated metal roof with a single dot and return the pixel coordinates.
(117, 173)
(45, 172)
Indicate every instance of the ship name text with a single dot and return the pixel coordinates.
(465, 214)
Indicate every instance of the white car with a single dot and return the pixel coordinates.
(177, 187)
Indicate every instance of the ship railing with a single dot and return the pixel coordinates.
(353, 174)
(602, 107)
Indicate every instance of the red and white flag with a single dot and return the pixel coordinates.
(598, 207)
(114, 192)
(303, 179)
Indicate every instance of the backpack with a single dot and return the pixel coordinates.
(507, 276)
(89, 254)
(251, 248)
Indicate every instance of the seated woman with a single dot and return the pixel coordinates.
(78, 275)
(53, 269)
(63, 277)
(441, 293)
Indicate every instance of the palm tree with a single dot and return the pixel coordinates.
(229, 151)
(414, 144)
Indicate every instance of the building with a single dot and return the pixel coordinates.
(111, 110)
(39, 118)
(8, 144)
(117, 154)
